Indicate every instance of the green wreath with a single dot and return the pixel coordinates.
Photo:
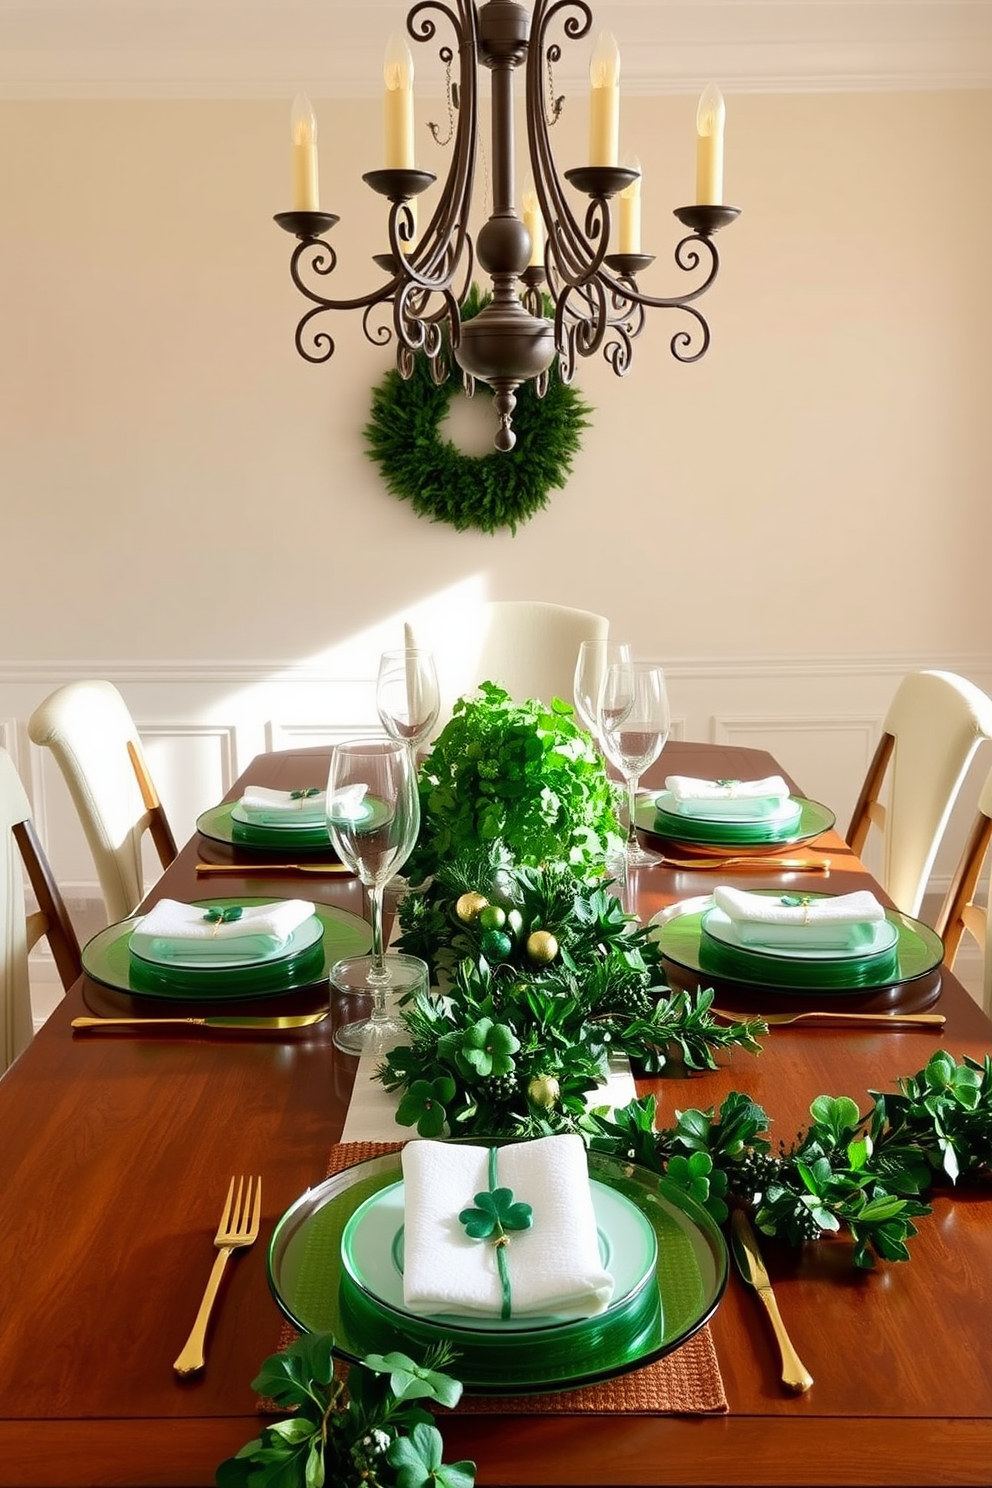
(484, 491)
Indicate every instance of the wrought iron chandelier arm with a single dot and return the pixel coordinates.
(571, 248)
(324, 261)
(443, 243)
(688, 258)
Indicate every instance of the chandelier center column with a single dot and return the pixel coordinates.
(504, 345)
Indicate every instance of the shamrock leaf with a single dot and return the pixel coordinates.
(410, 1381)
(487, 1048)
(305, 795)
(218, 915)
(417, 1460)
(424, 1105)
(495, 1213)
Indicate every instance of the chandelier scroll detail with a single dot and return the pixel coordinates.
(555, 250)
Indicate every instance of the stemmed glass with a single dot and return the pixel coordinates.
(406, 695)
(634, 721)
(373, 817)
(590, 669)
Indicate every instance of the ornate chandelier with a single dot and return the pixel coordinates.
(549, 255)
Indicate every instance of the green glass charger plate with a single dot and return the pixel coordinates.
(219, 825)
(315, 1293)
(107, 959)
(918, 953)
(814, 818)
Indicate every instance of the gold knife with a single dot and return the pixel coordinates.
(304, 1020)
(248, 870)
(749, 1263)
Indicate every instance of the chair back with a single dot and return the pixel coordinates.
(93, 738)
(935, 725)
(20, 932)
(959, 912)
(529, 647)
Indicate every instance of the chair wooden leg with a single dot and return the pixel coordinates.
(857, 832)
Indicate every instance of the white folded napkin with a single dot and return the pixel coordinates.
(836, 922)
(279, 808)
(554, 1267)
(741, 800)
(177, 930)
(346, 804)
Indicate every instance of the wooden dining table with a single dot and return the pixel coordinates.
(117, 1149)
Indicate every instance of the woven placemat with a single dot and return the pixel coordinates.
(687, 1381)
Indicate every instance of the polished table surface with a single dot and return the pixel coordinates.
(116, 1154)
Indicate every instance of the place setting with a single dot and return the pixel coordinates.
(221, 955)
(808, 945)
(288, 822)
(551, 1268)
(750, 818)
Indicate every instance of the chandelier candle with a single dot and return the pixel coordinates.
(397, 72)
(630, 211)
(303, 131)
(604, 102)
(710, 118)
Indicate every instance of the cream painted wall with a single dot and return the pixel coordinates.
(791, 524)
(179, 484)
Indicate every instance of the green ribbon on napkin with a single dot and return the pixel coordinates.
(497, 1211)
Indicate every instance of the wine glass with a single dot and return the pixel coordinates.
(634, 721)
(406, 695)
(590, 669)
(373, 817)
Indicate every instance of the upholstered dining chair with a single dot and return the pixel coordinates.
(20, 853)
(959, 912)
(90, 731)
(935, 724)
(527, 646)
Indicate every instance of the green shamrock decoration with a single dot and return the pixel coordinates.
(424, 1105)
(488, 1047)
(417, 1460)
(410, 1381)
(305, 794)
(218, 915)
(495, 1213)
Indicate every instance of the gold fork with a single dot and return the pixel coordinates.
(238, 1227)
(894, 1020)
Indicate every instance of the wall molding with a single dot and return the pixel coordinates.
(275, 672)
(85, 49)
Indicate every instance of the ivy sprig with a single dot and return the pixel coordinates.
(866, 1174)
(372, 1431)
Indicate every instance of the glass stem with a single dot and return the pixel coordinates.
(378, 975)
(631, 802)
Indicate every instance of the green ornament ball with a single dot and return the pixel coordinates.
(492, 917)
(496, 945)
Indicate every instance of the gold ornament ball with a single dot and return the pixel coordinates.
(544, 1091)
(469, 906)
(542, 947)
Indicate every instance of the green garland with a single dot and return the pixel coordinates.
(487, 491)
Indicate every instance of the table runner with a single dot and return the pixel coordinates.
(687, 1381)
